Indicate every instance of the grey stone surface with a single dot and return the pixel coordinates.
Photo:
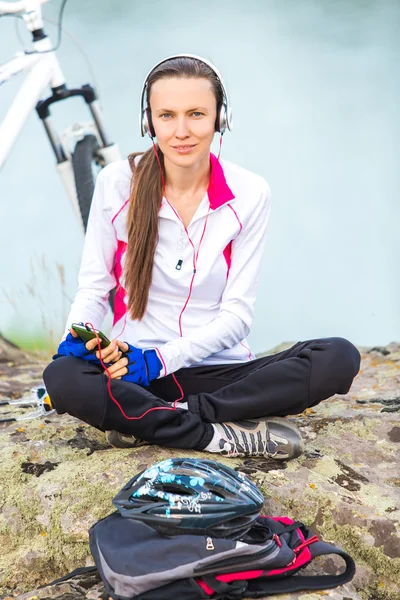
(58, 476)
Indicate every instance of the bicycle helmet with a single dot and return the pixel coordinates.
(187, 495)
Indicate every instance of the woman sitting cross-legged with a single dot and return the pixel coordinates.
(180, 234)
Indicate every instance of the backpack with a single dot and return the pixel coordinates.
(136, 562)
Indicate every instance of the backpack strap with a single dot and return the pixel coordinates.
(78, 571)
(231, 590)
(298, 583)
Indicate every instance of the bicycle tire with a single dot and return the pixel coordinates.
(84, 157)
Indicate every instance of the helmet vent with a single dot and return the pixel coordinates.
(216, 493)
(171, 488)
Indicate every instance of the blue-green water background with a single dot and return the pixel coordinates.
(314, 86)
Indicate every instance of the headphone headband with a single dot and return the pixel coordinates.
(224, 119)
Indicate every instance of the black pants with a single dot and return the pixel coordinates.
(281, 384)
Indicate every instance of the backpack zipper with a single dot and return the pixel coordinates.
(229, 563)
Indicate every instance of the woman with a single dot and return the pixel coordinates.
(181, 235)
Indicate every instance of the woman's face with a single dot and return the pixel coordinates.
(183, 111)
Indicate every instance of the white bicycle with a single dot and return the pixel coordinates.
(80, 150)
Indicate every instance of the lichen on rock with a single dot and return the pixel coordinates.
(58, 477)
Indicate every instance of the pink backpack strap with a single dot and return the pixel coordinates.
(262, 586)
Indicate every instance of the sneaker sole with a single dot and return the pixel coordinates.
(296, 441)
(120, 440)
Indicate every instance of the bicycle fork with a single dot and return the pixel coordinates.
(61, 145)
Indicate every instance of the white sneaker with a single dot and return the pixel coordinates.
(271, 437)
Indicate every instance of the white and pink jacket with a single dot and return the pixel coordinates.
(211, 326)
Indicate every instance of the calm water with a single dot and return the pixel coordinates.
(315, 91)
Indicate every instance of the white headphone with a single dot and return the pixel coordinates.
(224, 116)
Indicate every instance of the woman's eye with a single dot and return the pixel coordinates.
(165, 115)
(197, 113)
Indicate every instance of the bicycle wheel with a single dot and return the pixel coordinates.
(86, 165)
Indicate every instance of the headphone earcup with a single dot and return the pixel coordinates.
(147, 123)
(221, 120)
(150, 122)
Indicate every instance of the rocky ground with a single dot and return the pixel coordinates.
(58, 476)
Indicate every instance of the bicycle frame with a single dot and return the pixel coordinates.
(45, 72)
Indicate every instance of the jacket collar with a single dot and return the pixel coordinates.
(218, 193)
(218, 190)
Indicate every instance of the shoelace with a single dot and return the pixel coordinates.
(235, 447)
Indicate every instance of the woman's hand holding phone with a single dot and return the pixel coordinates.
(136, 365)
(77, 343)
(122, 360)
(111, 354)
(128, 363)
(119, 366)
(72, 345)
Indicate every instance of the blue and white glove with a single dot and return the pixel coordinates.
(74, 346)
(143, 366)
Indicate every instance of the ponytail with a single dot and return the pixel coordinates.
(144, 205)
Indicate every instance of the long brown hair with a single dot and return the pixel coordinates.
(147, 191)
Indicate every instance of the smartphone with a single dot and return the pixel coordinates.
(86, 334)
